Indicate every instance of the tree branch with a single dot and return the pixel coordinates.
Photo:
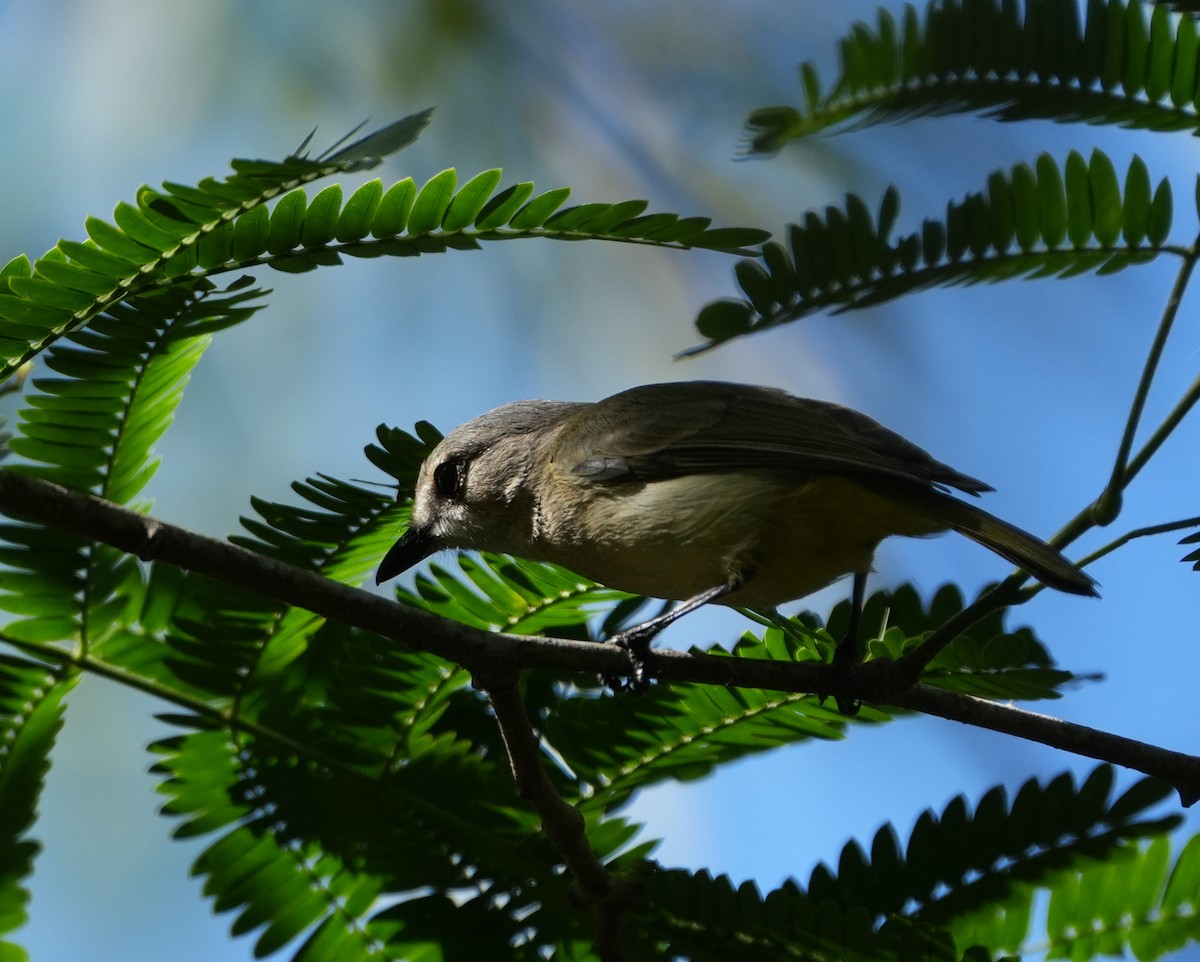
(1106, 507)
(561, 822)
(40, 501)
(1179, 770)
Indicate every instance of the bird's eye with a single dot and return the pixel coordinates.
(450, 477)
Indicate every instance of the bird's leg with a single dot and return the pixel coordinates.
(636, 640)
(849, 650)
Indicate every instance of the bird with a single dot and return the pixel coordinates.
(698, 492)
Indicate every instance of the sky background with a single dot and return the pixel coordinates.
(1024, 385)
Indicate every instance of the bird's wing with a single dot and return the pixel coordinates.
(666, 430)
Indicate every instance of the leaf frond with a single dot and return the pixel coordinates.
(354, 861)
(1136, 904)
(706, 917)
(92, 428)
(158, 237)
(941, 890)
(500, 593)
(300, 234)
(1042, 221)
(32, 700)
(959, 860)
(1012, 61)
(1192, 557)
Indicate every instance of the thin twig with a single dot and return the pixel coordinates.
(875, 681)
(562, 823)
(1108, 505)
(1148, 531)
(1179, 770)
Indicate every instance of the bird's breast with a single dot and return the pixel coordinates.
(677, 537)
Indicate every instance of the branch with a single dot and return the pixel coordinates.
(1108, 505)
(1181, 771)
(482, 651)
(561, 822)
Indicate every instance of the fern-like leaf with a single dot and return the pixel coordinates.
(92, 429)
(1007, 60)
(230, 643)
(280, 883)
(159, 236)
(404, 220)
(32, 699)
(988, 660)
(918, 900)
(1192, 557)
(959, 860)
(1044, 221)
(1135, 903)
(345, 528)
(614, 748)
(314, 844)
(499, 593)
(707, 919)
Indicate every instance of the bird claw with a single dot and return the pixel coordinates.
(639, 677)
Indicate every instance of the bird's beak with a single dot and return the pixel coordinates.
(415, 545)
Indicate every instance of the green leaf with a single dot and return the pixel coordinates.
(1061, 226)
(94, 430)
(1137, 203)
(1185, 62)
(724, 319)
(1029, 215)
(320, 222)
(432, 202)
(1079, 201)
(469, 202)
(500, 209)
(729, 238)
(537, 211)
(32, 700)
(287, 220)
(756, 282)
(983, 57)
(370, 150)
(251, 234)
(115, 242)
(1161, 210)
(166, 235)
(392, 216)
(1118, 906)
(90, 257)
(1106, 199)
(74, 277)
(1052, 202)
(356, 218)
(137, 225)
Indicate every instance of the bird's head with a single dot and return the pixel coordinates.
(473, 491)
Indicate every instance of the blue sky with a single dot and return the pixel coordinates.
(1024, 385)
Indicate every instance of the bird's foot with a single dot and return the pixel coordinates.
(876, 682)
(636, 645)
(844, 680)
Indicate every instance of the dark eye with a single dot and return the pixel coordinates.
(450, 477)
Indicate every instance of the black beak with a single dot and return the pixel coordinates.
(415, 545)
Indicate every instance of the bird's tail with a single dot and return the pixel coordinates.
(1026, 551)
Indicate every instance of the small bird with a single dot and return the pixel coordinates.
(698, 491)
